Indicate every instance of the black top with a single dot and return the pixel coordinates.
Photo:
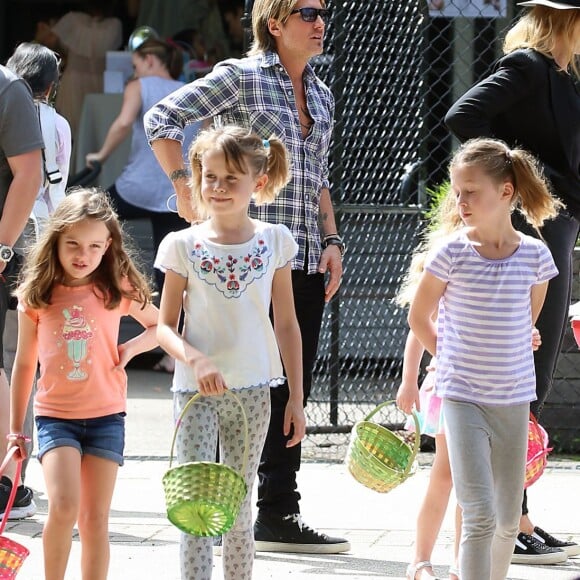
(528, 102)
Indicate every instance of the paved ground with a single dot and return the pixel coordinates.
(379, 527)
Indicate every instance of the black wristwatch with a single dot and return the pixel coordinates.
(6, 253)
(334, 240)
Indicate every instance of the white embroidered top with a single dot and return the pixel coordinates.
(227, 302)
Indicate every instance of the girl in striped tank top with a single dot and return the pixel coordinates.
(487, 282)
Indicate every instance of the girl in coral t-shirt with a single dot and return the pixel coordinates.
(78, 280)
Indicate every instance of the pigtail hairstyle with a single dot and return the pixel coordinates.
(244, 151)
(278, 170)
(116, 276)
(532, 196)
(443, 220)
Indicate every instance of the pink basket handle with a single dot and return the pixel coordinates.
(12, 497)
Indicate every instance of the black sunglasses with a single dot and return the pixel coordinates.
(311, 14)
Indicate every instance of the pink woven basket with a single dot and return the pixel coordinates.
(537, 451)
(12, 554)
(575, 322)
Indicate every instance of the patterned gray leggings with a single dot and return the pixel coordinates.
(196, 441)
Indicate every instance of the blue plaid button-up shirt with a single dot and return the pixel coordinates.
(257, 92)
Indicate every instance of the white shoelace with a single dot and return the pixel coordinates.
(296, 519)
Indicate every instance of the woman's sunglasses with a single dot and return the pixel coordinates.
(311, 14)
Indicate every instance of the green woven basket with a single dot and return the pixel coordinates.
(203, 498)
(378, 458)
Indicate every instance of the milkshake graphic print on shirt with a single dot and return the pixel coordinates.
(76, 332)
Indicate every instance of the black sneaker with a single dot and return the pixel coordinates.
(23, 506)
(571, 548)
(529, 550)
(290, 534)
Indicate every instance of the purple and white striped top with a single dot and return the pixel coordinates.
(485, 353)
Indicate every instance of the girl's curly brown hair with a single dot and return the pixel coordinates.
(42, 269)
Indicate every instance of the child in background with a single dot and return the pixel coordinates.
(225, 273)
(77, 282)
(488, 282)
(444, 221)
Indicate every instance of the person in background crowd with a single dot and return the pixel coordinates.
(39, 67)
(82, 39)
(168, 18)
(275, 91)
(142, 190)
(20, 179)
(532, 100)
(232, 13)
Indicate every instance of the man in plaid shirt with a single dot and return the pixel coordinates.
(274, 91)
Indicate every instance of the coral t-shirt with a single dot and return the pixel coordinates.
(78, 353)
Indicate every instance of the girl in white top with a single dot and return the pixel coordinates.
(225, 273)
(489, 282)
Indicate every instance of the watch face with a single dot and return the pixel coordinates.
(5, 254)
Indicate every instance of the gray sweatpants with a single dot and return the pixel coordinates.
(487, 451)
(196, 441)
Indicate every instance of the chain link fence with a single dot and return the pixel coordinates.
(395, 68)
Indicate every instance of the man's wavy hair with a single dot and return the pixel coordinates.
(261, 13)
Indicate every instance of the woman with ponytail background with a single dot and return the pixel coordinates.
(142, 190)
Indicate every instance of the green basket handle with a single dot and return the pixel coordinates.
(195, 398)
(417, 441)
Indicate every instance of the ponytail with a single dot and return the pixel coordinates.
(169, 53)
(531, 192)
(534, 199)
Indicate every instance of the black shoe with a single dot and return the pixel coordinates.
(571, 548)
(290, 534)
(23, 506)
(529, 550)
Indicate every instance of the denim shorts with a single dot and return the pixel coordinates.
(102, 436)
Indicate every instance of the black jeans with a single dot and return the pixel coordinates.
(560, 236)
(277, 488)
(162, 223)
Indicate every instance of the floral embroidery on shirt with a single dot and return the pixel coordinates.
(231, 274)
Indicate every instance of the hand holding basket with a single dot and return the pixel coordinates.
(203, 498)
(12, 554)
(379, 459)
